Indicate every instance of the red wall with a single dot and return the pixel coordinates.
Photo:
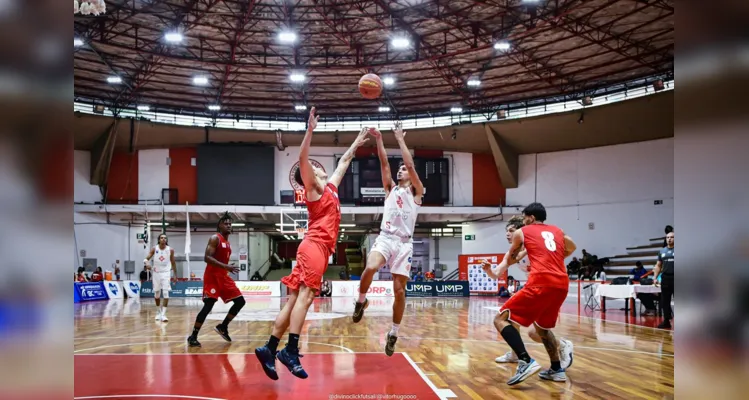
(487, 187)
(182, 175)
(122, 184)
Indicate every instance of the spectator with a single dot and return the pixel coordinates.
(145, 275)
(429, 276)
(665, 268)
(117, 270)
(419, 277)
(326, 289)
(256, 276)
(98, 275)
(639, 272)
(668, 230)
(81, 277)
(573, 267)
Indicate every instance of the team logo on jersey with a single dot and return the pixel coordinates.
(399, 202)
(161, 258)
(293, 183)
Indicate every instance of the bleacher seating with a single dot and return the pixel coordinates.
(621, 265)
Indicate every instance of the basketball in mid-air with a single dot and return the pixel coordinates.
(370, 86)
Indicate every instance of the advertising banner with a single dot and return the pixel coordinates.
(179, 289)
(89, 291)
(351, 289)
(260, 288)
(438, 289)
(114, 290)
(478, 280)
(132, 288)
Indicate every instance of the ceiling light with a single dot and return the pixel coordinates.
(77, 42)
(502, 46)
(456, 110)
(114, 79)
(158, 224)
(456, 225)
(237, 224)
(400, 43)
(388, 81)
(296, 77)
(143, 107)
(384, 109)
(214, 107)
(530, 1)
(200, 80)
(287, 37)
(347, 225)
(473, 82)
(173, 37)
(300, 107)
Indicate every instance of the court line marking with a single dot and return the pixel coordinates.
(217, 354)
(346, 349)
(443, 394)
(363, 337)
(120, 396)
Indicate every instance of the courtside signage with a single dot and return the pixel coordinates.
(438, 289)
(351, 289)
(132, 288)
(114, 290)
(90, 291)
(260, 288)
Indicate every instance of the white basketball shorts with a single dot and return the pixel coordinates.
(397, 253)
(162, 281)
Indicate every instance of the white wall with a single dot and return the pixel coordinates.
(259, 249)
(107, 242)
(153, 173)
(84, 191)
(612, 187)
(449, 250)
(461, 178)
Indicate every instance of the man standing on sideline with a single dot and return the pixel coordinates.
(394, 246)
(665, 268)
(164, 274)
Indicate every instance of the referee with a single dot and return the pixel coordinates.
(665, 267)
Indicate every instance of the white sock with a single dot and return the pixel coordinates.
(362, 297)
(394, 330)
(163, 309)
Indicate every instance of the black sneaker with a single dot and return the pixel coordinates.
(359, 310)
(221, 330)
(666, 324)
(267, 361)
(192, 341)
(390, 345)
(291, 360)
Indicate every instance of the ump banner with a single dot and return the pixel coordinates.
(438, 289)
(179, 289)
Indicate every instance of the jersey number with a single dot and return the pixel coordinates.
(549, 240)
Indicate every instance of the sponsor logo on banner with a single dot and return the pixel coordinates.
(131, 288)
(351, 288)
(419, 289)
(438, 289)
(260, 288)
(194, 292)
(114, 291)
(91, 291)
(446, 289)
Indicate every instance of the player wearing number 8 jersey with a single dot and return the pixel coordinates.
(540, 301)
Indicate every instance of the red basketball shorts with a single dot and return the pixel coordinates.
(311, 263)
(219, 284)
(536, 304)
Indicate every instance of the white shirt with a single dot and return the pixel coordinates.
(400, 214)
(162, 260)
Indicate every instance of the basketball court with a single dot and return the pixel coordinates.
(446, 351)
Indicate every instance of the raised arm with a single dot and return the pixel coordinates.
(387, 178)
(344, 162)
(408, 161)
(305, 168)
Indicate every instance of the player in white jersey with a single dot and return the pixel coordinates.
(565, 346)
(394, 245)
(163, 267)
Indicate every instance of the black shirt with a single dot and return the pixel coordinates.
(666, 257)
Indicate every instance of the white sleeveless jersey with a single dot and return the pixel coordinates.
(524, 263)
(400, 214)
(162, 260)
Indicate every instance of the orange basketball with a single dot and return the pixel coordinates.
(370, 86)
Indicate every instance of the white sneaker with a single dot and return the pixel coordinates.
(163, 317)
(551, 375)
(158, 316)
(565, 353)
(524, 371)
(508, 357)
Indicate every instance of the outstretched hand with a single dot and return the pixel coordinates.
(312, 123)
(362, 137)
(375, 132)
(398, 131)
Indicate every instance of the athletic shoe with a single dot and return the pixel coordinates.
(524, 371)
(390, 345)
(290, 359)
(223, 331)
(193, 342)
(163, 317)
(359, 310)
(158, 316)
(508, 357)
(551, 375)
(267, 361)
(666, 324)
(565, 353)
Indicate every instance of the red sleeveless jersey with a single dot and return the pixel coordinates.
(223, 251)
(545, 247)
(324, 218)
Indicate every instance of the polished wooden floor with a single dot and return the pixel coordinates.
(450, 343)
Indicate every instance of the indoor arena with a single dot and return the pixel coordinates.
(340, 199)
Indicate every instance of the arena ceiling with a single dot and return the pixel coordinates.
(558, 50)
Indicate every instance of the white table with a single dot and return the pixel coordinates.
(623, 292)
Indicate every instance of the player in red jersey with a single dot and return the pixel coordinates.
(540, 301)
(323, 206)
(217, 282)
